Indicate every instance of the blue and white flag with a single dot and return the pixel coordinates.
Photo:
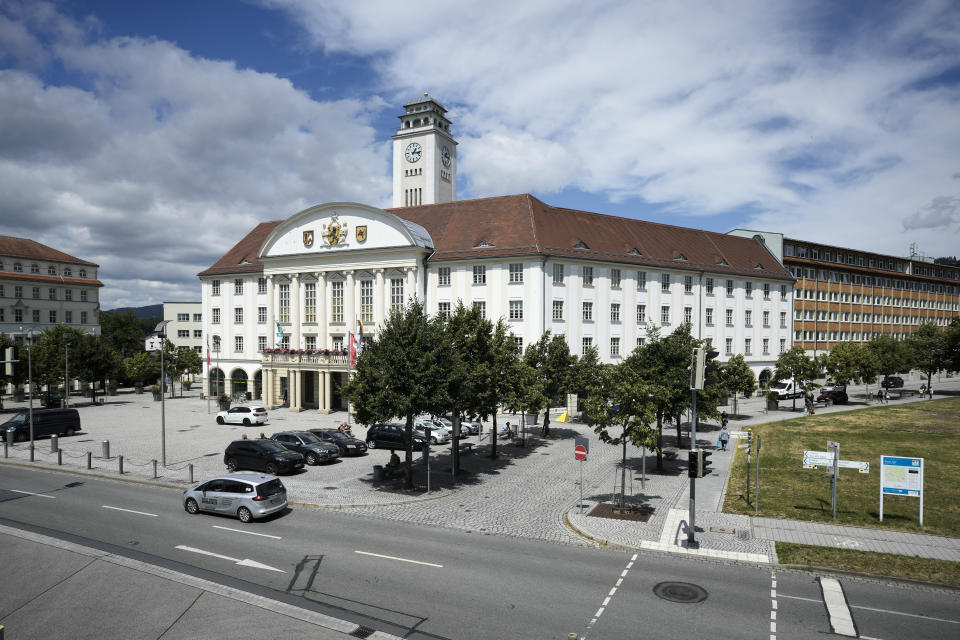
(279, 332)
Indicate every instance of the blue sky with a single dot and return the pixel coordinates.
(150, 136)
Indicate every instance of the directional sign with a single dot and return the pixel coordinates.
(862, 467)
(819, 458)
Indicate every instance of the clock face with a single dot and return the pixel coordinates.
(413, 152)
(445, 155)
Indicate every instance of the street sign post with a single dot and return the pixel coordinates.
(901, 477)
(581, 447)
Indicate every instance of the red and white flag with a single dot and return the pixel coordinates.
(208, 352)
(354, 348)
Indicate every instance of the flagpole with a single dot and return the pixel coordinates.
(208, 374)
(349, 358)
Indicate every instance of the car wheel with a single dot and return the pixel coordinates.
(219, 419)
(271, 468)
(371, 444)
(232, 465)
(312, 459)
(70, 432)
(192, 507)
(434, 440)
(244, 514)
(246, 422)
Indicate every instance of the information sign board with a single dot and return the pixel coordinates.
(901, 476)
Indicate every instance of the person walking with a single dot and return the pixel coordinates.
(724, 418)
(724, 437)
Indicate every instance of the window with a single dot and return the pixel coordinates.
(479, 274)
(729, 287)
(516, 272)
(516, 310)
(665, 314)
(34, 268)
(641, 280)
(36, 293)
(481, 307)
(688, 315)
(183, 333)
(558, 274)
(614, 312)
(2, 316)
(311, 342)
(83, 317)
(238, 344)
(261, 285)
(748, 318)
(198, 317)
(183, 317)
(558, 309)
(614, 347)
(336, 301)
(519, 342)
(729, 317)
(766, 290)
(641, 342)
(18, 292)
(783, 345)
(261, 343)
(51, 270)
(18, 315)
(52, 293)
(83, 295)
(53, 316)
(309, 302)
(83, 273)
(197, 333)
(261, 315)
(783, 291)
(783, 319)
(749, 288)
(709, 315)
(766, 318)
(729, 346)
(216, 344)
(216, 315)
(214, 287)
(688, 284)
(615, 278)
(587, 343)
(68, 317)
(709, 286)
(366, 301)
(588, 276)
(67, 272)
(443, 277)
(238, 287)
(443, 309)
(766, 346)
(665, 282)
(396, 294)
(641, 314)
(747, 348)
(588, 312)
(17, 267)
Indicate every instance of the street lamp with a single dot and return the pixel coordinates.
(29, 334)
(161, 330)
(66, 370)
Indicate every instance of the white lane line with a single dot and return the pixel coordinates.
(246, 562)
(773, 605)
(139, 513)
(841, 622)
(901, 613)
(31, 493)
(377, 555)
(252, 533)
(606, 600)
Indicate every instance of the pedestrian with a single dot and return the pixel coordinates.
(880, 396)
(930, 391)
(724, 418)
(724, 437)
(886, 397)
(923, 390)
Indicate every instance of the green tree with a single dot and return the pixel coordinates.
(953, 344)
(142, 367)
(96, 361)
(929, 346)
(188, 362)
(622, 408)
(400, 373)
(737, 376)
(525, 393)
(585, 373)
(891, 356)
(503, 362)
(848, 362)
(796, 364)
(123, 331)
(551, 359)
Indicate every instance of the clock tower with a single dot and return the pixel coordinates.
(424, 155)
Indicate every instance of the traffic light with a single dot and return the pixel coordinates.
(698, 359)
(693, 463)
(10, 355)
(710, 366)
(703, 462)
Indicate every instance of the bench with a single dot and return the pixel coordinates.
(395, 471)
(465, 447)
(670, 454)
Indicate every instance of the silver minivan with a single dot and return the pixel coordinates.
(245, 495)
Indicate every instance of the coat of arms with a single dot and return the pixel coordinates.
(308, 238)
(361, 233)
(336, 232)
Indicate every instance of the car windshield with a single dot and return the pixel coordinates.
(259, 410)
(309, 438)
(336, 435)
(272, 447)
(20, 418)
(778, 385)
(270, 488)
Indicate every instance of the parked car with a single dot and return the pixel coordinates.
(467, 427)
(833, 386)
(438, 435)
(243, 414)
(46, 422)
(313, 449)
(786, 389)
(892, 382)
(261, 455)
(51, 399)
(244, 495)
(348, 445)
(392, 436)
(836, 396)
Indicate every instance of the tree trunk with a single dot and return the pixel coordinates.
(408, 474)
(623, 475)
(659, 441)
(679, 435)
(546, 422)
(493, 438)
(455, 447)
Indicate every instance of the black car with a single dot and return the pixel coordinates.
(835, 396)
(46, 422)
(261, 455)
(313, 449)
(892, 382)
(392, 436)
(348, 445)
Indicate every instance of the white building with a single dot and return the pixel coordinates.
(185, 325)
(305, 282)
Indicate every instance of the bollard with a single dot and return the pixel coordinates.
(31, 452)
(6, 447)
(54, 443)
(60, 457)
(89, 459)
(120, 458)
(190, 467)
(572, 636)
(9, 438)
(154, 469)
(105, 449)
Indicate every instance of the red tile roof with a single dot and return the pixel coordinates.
(521, 225)
(32, 250)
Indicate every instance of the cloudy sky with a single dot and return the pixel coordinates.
(149, 137)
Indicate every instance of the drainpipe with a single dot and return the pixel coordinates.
(543, 306)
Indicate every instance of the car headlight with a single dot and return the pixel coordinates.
(351, 446)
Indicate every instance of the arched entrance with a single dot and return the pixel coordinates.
(258, 384)
(764, 378)
(216, 384)
(238, 383)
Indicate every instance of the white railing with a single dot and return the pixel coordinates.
(303, 358)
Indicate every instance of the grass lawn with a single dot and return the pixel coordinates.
(928, 429)
(883, 564)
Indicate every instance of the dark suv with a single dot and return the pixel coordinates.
(392, 436)
(348, 445)
(314, 450)
(892, 382)
(261, 455)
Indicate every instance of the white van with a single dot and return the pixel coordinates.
(787, 389)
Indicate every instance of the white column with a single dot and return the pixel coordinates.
(381, 302)
(271, 318)
(295, 306)
(323, 339)
(411, 288)
(350, 309)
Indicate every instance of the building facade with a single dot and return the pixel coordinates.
(41, 287)
(184, 325)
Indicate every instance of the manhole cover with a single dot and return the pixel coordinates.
(682, 592)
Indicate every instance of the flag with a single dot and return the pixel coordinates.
(279, 333)
(564, 417)
(354, 348)
(208, 352)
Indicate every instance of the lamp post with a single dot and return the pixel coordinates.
(29, 334)
(66, 372)
(161, 330)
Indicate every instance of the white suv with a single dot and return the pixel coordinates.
(243, 414)
(438, 435)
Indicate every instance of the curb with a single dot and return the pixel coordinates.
(872, 576)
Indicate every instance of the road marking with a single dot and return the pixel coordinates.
(31, 493)
(773, 605)
(841, 622)
(606, 600)
(377, 555)
(901, 613)
(246, 562)
(252, 533)
(139, 513)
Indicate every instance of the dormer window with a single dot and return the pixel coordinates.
(17, 267)
(34, 268)
(679, 257)
(51, 270)
(759, 267)
(634, 252)
(483, 245)
(581, 245)
(722, 262)
(67, 272)
(83, 273)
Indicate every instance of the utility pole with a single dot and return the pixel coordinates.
(162, 331)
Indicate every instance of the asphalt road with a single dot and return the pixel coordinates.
(425, 582)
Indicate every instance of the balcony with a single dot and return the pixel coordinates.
(304, 356)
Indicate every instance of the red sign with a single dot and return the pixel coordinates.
(580, 452)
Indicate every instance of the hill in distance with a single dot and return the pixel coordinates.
(149, 311)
